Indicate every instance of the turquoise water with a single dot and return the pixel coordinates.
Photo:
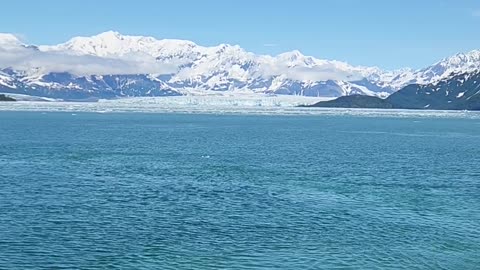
(166, 191)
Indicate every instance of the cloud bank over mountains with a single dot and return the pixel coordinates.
(16, 55)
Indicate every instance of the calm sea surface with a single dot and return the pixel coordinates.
(186, 191)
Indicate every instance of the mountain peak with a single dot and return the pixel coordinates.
(110, 34)
(292, 55)
(449, 66)
(461, 58)
(113, 44)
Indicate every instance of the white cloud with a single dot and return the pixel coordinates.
(22, 58)
(476, 13)
(270, 45)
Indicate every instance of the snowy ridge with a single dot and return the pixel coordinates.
(114, 65)
(447, 67)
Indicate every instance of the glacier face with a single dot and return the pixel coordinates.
(113, 65)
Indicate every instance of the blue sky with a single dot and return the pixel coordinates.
(386, 33)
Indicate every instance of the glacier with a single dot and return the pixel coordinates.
(245, 104)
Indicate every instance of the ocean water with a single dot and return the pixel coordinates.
(192, 191)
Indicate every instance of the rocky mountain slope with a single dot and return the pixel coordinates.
(460, 92)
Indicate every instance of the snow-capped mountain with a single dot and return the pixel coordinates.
(460, 92)
(112, 65)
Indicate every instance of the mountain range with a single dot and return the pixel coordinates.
(111, 65)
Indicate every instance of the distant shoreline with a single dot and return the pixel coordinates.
(6, 98)
(392, 102)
